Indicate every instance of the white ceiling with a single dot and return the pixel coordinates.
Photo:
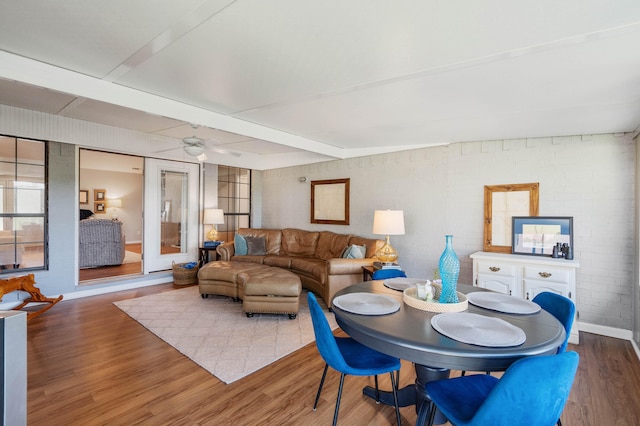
(286, 82)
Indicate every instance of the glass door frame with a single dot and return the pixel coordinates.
(154, 259)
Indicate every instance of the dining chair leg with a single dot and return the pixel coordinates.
(377, 389)
(335, 413)
(324, 374)
(394, 385)
(423, 412)
(432, 413)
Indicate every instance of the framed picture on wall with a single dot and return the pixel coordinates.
(84, 196)
(330, 201)
(99, 207)
(99, 194)
(536, 235)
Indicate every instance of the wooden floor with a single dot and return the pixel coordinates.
(90, 364)
(91, 274)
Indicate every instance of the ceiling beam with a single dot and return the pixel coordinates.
(39, 74)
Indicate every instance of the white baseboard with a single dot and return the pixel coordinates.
(113, 288)
(129, 284)
(618, 333)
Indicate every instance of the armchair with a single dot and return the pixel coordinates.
(102, 243)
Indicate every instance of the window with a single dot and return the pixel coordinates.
(234, 198)
(22, 204)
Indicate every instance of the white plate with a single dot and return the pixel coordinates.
(478, 330)
(402, 283)
(366, 303)
(502, 303)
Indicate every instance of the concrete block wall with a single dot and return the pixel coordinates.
(440, 189)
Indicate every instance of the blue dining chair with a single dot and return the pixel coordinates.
(560, 307)
(383, 274)
(347, 356)
(532, 391)
(563, 309)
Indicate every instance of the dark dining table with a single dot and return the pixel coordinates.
(407, 334)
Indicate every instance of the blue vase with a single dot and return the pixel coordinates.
(449, 271)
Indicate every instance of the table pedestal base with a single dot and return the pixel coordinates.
(414, 394)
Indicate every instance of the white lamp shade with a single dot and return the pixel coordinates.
(114, 202)
(388, 222)
(213, 216)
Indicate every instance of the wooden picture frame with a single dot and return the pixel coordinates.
(330, 201)
(99, 207)
(537, 235)
(84, 196)
(501, 203)
(99, 195)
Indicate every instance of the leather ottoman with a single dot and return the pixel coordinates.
(221, 278)
(262, 288)
(270, 290)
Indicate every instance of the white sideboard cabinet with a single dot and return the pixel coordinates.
(526, 276)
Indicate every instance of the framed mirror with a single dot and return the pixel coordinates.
(330, 201)
(501, 203)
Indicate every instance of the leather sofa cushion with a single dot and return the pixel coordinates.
(372, 244)
(296, 242)
(331, 245)
(346, 266)
(247, 258)
(316, 268)
(278, 261)
(272, 237)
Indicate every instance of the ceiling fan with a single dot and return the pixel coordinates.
(196, 147)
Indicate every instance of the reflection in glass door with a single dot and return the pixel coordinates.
(171, 214)
(173, 198)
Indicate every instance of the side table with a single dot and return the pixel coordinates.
(367, 272)
(205, 257)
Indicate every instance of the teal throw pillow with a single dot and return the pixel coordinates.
(240, 244)
(355, 252)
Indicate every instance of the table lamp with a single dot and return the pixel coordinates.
(114, 203)
(388, 222)
(213, 217)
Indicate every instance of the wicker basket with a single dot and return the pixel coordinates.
(409, 297)
(184, 276)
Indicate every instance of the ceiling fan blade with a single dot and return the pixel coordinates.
(168, 149)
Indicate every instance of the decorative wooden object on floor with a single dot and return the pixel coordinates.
(27, 283)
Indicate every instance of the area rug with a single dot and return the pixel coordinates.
(217, 335)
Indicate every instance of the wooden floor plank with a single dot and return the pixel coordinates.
(90, 364)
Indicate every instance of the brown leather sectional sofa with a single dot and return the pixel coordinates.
(315, 256)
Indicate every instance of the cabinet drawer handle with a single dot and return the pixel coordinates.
(544, 274)
(494, 268)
